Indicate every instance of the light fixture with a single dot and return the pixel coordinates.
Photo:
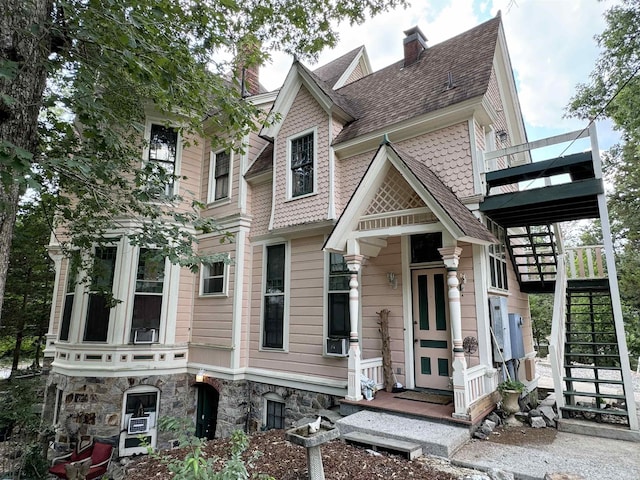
(502, 135)
(393, 281)
(462, 281)
(200, 376)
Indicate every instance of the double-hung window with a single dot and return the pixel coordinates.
(163, 152)
(213, 278)
(498, 257)
(99, 307)
(274, 297)
(69, 297)
(302, 159)
(219, 184)
(147, 300)
(338, 292)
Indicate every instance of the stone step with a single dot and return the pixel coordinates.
(409, 449)
(435, 438)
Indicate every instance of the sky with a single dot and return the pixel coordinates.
(551, 46)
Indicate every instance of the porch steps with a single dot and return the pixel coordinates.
(434, 438)
(409, 449)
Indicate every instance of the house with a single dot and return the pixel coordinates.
(370, 192)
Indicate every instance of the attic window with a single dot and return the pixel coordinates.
(302, 164)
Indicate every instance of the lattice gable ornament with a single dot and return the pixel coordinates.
(395, 194)
(395, 204)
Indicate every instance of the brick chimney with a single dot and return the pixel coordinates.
(414, 44)
(248, 62)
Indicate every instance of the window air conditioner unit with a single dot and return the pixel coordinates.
(144, 336)
(138, 425)
(337, 347)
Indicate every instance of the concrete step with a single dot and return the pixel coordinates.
(435, 438)
(409, 449)
(590, 429)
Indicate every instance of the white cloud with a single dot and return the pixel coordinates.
(550, 43)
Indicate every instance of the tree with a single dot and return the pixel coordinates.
(88, 69)
(29, 278)
(541, 307)
(614, 91)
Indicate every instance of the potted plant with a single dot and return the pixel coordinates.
(511, 390)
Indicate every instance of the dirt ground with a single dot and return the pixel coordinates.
(524, 435)
(286, 461)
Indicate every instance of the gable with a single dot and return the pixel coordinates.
(395, 194)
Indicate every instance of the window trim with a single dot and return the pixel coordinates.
(290, 140)
(133, 292)
(153, 428)
(287, 275)
(211, 190)
(225, 280)
(154, 120)
(117, 265)
(494, 257)
(328, 294)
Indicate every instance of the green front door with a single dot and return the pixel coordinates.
(431, 334)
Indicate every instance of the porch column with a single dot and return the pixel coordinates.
(451, 257)
(354, 262)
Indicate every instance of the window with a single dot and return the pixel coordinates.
(213, 278)
(273, 326)
(498, 257)
(163, 148)
(338, 291)
(140, 408)
(302, 160)
(424, 247)
(220, 174)
(147, 301)
(68, 302)
(99, 309)
(274, 414)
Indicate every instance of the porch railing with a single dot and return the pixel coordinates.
(586, 262)
(372, 369)
(474, 387)
(556, 344)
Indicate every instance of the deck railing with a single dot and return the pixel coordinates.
(474, 386)
(372, 369)
(556, 344)
(586, 262)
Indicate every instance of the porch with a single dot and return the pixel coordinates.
(473, 393)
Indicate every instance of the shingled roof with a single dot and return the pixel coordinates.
(398, 93)
(332, 71)
(263, 162)
(450, 203)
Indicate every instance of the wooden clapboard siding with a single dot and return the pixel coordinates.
(213, 315)
(246, 304)
(377, 294)
(468, 310)
(209, 355)
(190, 163)
(185, 305)
(518, 302)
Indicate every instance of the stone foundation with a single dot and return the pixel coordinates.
(93, 405)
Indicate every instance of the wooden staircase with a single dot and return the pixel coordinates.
(588, 351)
(593, 385)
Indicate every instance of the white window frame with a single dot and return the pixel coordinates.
(151, 120)
(133, 293)
(153, 421)
(287, 277)
(211, 194)
(290, 140)
(84, 314)
(225, 279)
(497, 255)
(329, 291)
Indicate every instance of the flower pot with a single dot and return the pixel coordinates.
(511, 406)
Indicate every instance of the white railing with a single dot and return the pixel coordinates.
(556, 344)
(372, 369)
(586, 262)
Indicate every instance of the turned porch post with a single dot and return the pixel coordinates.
(451, 257)
(354, 263)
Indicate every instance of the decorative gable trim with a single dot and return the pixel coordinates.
(362, 60)
(354, 221)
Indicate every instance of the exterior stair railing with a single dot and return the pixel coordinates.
(556, 343)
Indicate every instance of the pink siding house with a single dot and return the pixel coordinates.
(368, 193)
